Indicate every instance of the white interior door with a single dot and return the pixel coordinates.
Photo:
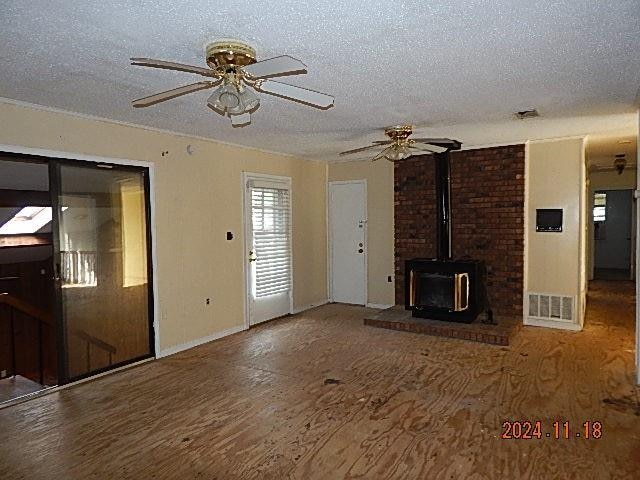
(348, 225)
(268, 247)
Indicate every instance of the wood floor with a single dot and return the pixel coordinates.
(320, 395)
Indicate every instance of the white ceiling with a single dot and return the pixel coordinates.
(435, 64)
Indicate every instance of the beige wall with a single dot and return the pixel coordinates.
(610, 180)
(380, 252)
(198, 198)
(556, 179)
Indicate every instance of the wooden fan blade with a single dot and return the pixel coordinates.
(276, 67)
(169, 94)
(361, 149)
(296, 94)
(181, 67)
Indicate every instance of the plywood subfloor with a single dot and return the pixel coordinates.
(320, 395)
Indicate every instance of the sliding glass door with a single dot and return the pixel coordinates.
(102, 269)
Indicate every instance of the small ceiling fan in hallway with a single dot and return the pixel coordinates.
(400, 146)
(233, 69)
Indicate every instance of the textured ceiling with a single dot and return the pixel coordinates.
(433, 63)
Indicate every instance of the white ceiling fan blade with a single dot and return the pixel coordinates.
(169, 94)
(241, 120)
(181, 67)
(422, 148)
(439, 142)
(382, 154)
(361, 149)
(296, 94)
(276, 67)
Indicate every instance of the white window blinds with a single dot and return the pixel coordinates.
(270, 209)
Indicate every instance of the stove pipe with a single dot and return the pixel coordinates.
(443, 198)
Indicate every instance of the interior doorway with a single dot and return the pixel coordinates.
(347, 234)
(75, 270)
(613, 234)
(612, 163)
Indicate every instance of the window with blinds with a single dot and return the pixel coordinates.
(270, 209)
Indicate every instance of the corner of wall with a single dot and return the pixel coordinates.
(525, 243)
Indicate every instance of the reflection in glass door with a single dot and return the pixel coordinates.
(101, 240)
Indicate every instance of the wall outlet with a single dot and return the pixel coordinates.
(208, 301)
(3, 373)
(389, 279)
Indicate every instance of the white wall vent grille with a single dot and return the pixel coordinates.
(551, 307)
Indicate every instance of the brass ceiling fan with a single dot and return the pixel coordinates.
(400, 146)
(234, 70)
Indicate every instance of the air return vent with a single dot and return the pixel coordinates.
(551, 307)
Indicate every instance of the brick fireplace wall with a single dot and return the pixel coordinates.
(487, 211)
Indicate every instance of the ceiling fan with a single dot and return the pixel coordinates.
(400, 146)
(234, 70)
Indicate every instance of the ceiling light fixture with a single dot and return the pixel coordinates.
(235, 74)
(399, 153)
(27, 221)
(400, 146)
(620, 163)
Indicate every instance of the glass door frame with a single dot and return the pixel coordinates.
(55, 165)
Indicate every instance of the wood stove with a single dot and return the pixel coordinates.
(442, 288)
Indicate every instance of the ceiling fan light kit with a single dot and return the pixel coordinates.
(401, 147)
(237, 75)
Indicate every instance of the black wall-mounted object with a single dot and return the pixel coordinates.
(549, 220)
(229, 236)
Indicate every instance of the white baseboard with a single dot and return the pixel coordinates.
(199, 341)
(535, 322)
(379, 306)
(309, 306)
